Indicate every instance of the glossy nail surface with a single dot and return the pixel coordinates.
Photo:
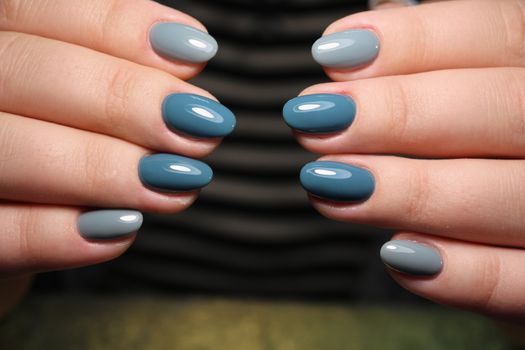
(337, 181)
(172, 173)
(197, 115)
(348, 49)
(319, 113)
(411, 258)
(109, 224)
(181, 42)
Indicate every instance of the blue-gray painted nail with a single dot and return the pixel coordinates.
(411, 258)
(348, 49)
(109, 224)
(173, 173)
(181, 42)
(337, 181)
(197, 115)
(319, 113)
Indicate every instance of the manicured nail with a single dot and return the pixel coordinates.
(348, 49)
(319, 113)
(337, 181)
(411, 258)
(172, 173)
(181, 42)
(109, 224)
(197, 115)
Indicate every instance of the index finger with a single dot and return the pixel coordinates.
(141, 31)
(435, 36)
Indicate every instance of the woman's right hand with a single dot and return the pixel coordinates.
(84, 103)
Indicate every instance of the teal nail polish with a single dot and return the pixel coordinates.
(109, 224)
(181, 42)
(320, 113)
(197, 116)
(337, 181)
(348, 49)
(411, 258)
(172, 173)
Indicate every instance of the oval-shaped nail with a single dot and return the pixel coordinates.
(337, 181)
(173, 173)
(411, 258)
(348, 49)
(320, 113)
(197, 116)
(181, 42)
(109, 224)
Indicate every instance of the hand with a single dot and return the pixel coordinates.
(88, 95)
(424, 132)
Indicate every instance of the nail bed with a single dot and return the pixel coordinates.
(181, 42)
(411, 257)
(320, 113)
(109, 224)
(337, 181)
(347, 49)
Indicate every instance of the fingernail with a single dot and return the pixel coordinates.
(171, 173)
(411, 258)
(320, 113)
(109, 224)
(181, 42)
(348, 49)
(337, 181)
(197, 115)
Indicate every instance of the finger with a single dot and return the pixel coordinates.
(384, 4)
(450, 34)
(451, 113)
(37, 238)
(120, 28)
(466, 199)
(49, 163)
(475, 277)
(82, 88)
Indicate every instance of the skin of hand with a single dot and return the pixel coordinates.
(428, 139)
(86, 99)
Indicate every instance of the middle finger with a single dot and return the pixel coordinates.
(455, 113)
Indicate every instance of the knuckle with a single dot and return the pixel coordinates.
(418, 195)
(512, 14)
(111, 14)
(397, 111)
(96, 166)
(488, 283)
(512, 96)
(14, 55)
(121, 83)
(28, 245)
(9, 12)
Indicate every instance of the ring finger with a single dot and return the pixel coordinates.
(62, 165)
(470, 199)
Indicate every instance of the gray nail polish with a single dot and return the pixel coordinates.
(197, 115)
(411, 258)
(337, 181)
(182, 42)
(173, 173)
(348, 49)
(319, 113)
(109, 224)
